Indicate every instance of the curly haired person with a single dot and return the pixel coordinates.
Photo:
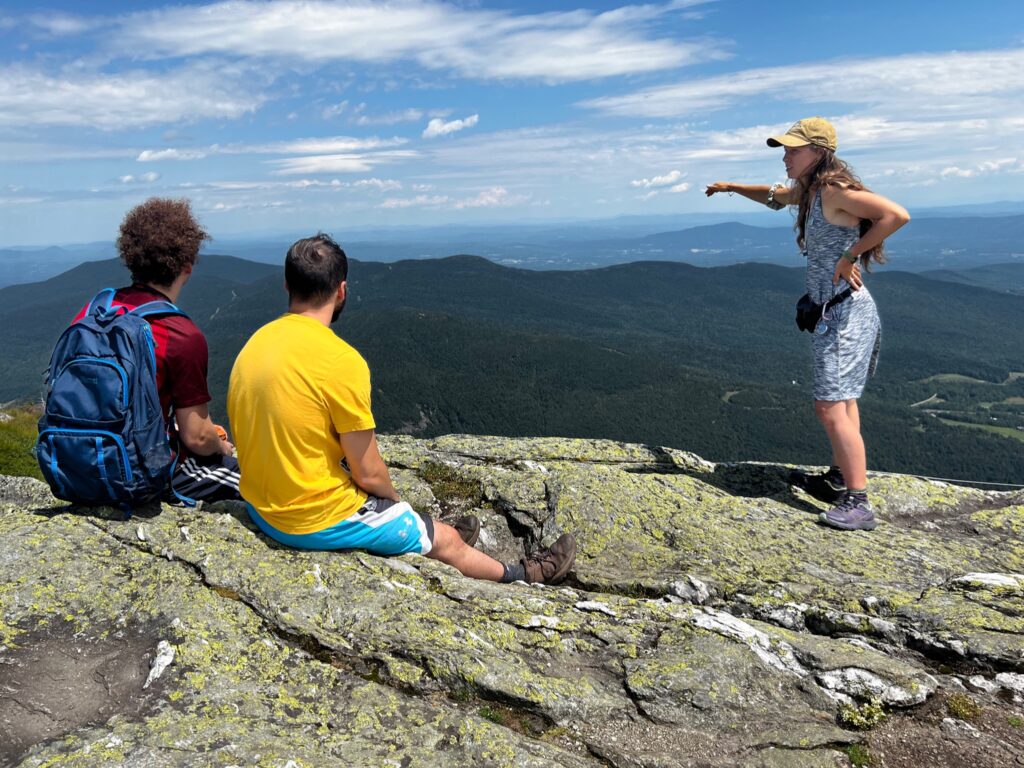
(159, 243)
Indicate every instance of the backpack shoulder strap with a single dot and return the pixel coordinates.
(156, 308)
(101, 300)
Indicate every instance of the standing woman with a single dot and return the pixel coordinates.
(840, 227)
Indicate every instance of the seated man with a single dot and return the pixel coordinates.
(299, 404)
(159, 243)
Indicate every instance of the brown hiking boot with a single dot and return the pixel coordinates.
(550, 566)
(468, 528)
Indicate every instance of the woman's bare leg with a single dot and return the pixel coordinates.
(841, 420)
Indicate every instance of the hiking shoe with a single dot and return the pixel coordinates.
(850, 515)
(551, 565)
(468, 528)
(828, 486)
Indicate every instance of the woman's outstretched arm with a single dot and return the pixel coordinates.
(757, 192)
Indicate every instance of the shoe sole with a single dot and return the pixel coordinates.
(570, 561)
(473, 534)
(866, 526)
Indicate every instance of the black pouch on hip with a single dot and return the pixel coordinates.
(809, 312)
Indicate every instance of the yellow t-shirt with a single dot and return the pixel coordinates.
(295, 388)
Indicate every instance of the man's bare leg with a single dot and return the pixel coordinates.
(451, 549)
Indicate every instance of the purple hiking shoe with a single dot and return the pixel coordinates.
(851, 514)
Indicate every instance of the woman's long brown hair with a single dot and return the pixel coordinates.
(831, 171)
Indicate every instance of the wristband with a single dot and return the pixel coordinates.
(771, 198)
(849, 256)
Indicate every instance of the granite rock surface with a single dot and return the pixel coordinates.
(709, 621)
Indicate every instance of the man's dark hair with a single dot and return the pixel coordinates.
(159, 239)
(314, 268)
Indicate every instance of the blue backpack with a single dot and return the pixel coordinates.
(102, 437)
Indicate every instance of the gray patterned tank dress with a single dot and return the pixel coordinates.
(847, 353)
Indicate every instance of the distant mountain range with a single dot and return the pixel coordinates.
(703, 359)
(928, 243)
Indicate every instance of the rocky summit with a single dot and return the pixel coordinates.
(709, 621)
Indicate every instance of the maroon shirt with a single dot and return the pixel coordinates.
(181, 353)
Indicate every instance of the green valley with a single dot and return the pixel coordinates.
(704, 359)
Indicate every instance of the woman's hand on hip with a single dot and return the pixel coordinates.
(850, 273)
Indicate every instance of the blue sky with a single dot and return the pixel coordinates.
(287, 116)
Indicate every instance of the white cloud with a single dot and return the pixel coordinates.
(668, 179)
(928, 85)
(438, 127)
(420, 201)
(410, 115)
(995, 166)
(330, 144)
(495, 197)
(680, 187)
(154, 155)
(263, 185)
(30, 97)
(30, 152)
(334, 110)
(983, 168)
(62, 23)
(338, 163)
(245, 205)
(384, 185)
(473, 42)
(142, 178)
(964, 173)
(314, 146)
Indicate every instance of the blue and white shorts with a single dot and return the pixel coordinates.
(380, 526)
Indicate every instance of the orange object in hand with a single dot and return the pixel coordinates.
(221, 432)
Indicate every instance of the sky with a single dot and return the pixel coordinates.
(286, 116)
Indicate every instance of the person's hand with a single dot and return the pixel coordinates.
(849, 272)
(718, 186)
(226, 446)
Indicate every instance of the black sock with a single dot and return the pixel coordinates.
(858, 496)
(513, 572)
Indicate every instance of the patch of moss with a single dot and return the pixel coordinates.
(510, 718)
(554, 734)
(862, 717)
(859, 755)
(1015, 722)
(451, 489)
(963, 706)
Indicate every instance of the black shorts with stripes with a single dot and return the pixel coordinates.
(206, 478)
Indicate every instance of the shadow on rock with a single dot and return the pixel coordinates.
(745, 480)
(56, 681)
(145, 512)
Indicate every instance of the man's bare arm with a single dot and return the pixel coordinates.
(368, 469)
(198, 432)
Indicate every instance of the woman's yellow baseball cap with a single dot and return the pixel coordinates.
(811, 130)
